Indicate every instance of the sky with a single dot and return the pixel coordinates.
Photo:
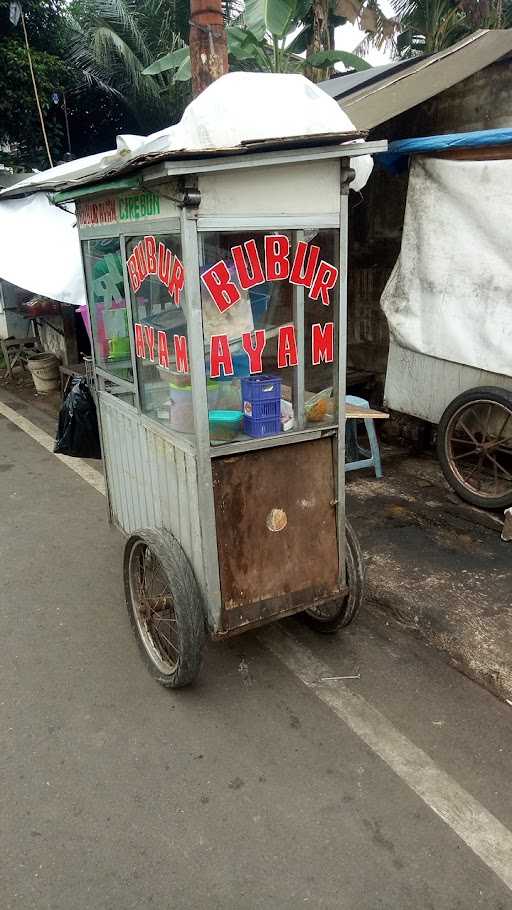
(348, 36)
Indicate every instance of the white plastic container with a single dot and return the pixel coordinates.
(44, 369)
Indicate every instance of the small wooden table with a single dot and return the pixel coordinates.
(355, 412)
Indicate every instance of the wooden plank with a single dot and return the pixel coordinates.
(353, 411)
(276, 528)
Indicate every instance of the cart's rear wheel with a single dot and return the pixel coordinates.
(474, 445)
(330, 617)
(165, 607)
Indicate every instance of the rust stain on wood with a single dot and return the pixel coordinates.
(257, 565)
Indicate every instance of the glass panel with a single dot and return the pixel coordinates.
(104, 275)
(119, 392)
(320, 324)
(259, 292)
(156, 277)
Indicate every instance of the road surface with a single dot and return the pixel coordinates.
(268, 785)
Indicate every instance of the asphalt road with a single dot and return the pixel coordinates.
(264, 786)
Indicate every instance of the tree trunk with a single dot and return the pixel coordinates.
(208, 44)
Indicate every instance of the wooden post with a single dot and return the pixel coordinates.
(208, 44)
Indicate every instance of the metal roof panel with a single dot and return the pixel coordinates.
(399, 90)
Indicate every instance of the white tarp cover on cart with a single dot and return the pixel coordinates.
(236, 109)
(450, 293)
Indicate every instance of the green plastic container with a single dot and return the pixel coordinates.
(224, 425)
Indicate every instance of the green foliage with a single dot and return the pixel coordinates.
(261, 40)
(94, 117)
(115, 40)
(20, 129)
(429, 26)
(328, 58)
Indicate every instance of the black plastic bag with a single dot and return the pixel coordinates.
(77, 429)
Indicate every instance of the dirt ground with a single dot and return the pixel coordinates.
(437, 565)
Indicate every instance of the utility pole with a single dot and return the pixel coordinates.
(208, 44)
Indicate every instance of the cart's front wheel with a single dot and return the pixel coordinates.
(165, 607)
(330, 617)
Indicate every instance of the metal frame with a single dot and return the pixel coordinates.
(267, 222)
(341, 378)
(270, 442)
(298, 319)
(173, 167)
(194, 316)
(128, 298)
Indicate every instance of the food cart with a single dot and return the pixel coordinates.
(217, 297)
(449, 312)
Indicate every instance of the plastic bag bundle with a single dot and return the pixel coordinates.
(77, 429)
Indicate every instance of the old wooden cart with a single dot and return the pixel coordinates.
(217, 298)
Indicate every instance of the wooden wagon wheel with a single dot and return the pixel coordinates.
(475, 447)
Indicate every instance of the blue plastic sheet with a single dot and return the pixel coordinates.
(395, 159)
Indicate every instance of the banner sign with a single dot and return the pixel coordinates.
(305, 269)
(113, 209)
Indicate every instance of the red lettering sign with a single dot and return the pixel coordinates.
(287, 347)
(181, 353)
(301, 273)
(177, 280)
(148, 259)
(277, 250)
(256, 275)
(223, 292)
(322, 343)
(163, 351)
(254, 351)
(149, 336)
(164, 264)
(140, 347)
(324, 280)
(133, 275)
(220, 356)
(150, 247)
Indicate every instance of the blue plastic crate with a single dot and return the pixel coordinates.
(265, 426)
(261, 397)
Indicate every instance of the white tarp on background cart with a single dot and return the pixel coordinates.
(450, 293)
(39, 249)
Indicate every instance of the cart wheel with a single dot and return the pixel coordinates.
(165, 606)
(333, 616)
(474, 446)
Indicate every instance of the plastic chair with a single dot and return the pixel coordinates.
(371, 459)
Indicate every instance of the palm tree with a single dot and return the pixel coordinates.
(429, 26)
(271, 35)
(113, 41)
